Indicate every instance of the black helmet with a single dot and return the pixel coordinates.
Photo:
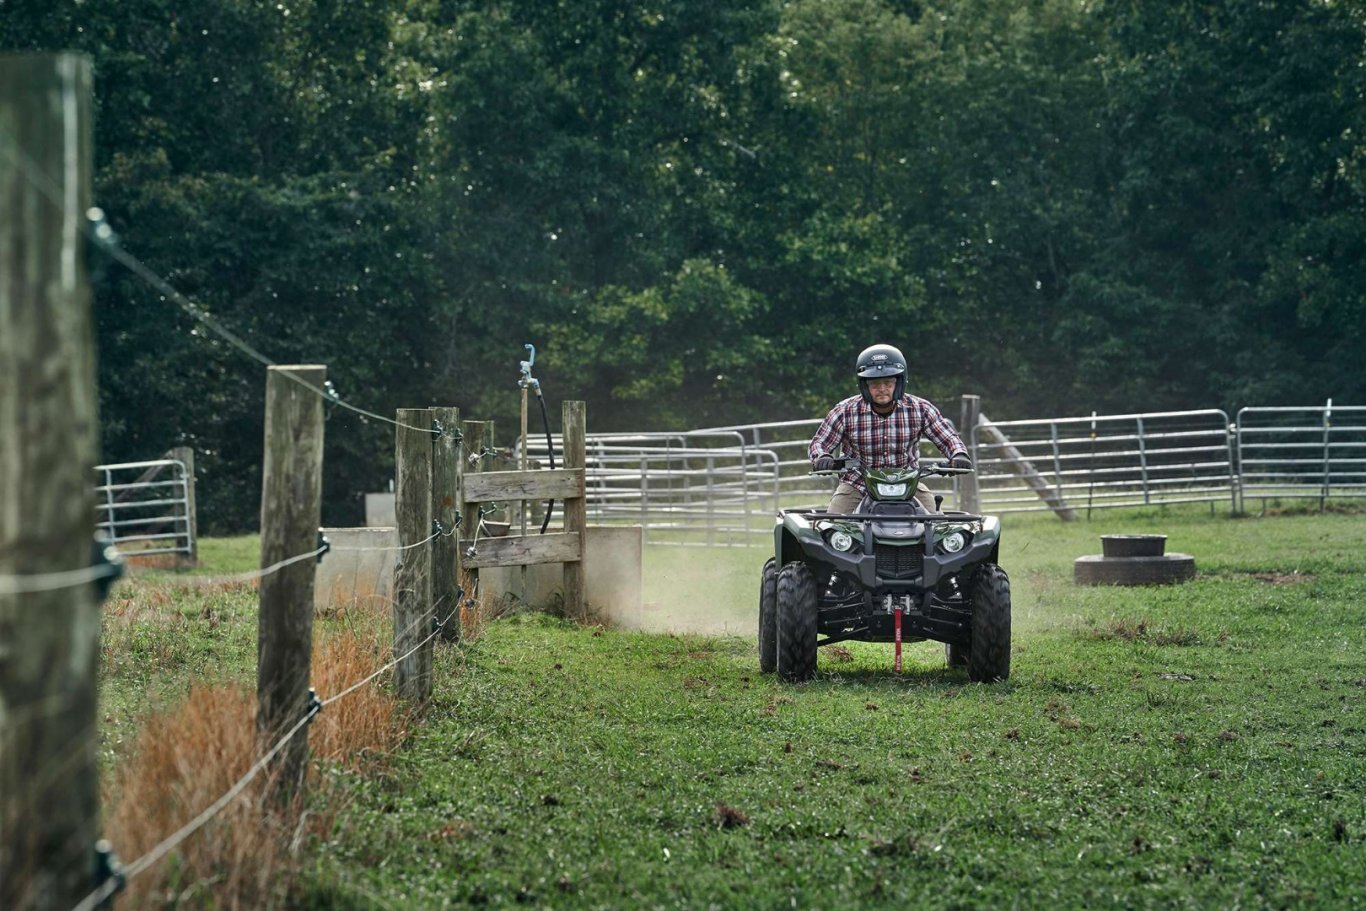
(881, 360)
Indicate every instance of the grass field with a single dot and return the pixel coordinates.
(1191, 746)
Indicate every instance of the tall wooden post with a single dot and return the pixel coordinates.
(291, 505)
(574, 422)
(49, 640)
(967, 484)
(185, 455)
(412, 571)
(446, 502)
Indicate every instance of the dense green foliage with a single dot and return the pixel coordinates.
(701, 211)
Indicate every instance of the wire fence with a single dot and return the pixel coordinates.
(147, 508)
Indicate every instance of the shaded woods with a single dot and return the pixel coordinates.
(699, 212)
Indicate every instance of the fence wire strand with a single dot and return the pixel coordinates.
(51, 192)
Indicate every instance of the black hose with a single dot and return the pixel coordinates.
(549, 448)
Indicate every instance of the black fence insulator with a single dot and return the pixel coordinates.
(104, 553)
(324, 545)
(331, 397)
(107, 867)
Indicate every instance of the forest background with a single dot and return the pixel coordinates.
(701, 211)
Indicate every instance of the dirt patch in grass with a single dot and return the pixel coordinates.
(1141, 630)
(1292, 578)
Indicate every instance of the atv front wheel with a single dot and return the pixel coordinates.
(989, 654)
(796, 602)
(768, 618)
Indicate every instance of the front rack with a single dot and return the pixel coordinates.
(872, 517)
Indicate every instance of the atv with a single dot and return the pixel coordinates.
(891, 572)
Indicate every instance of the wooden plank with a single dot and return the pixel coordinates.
(412, 570)
(446, 478)
(291, 506)
(575, 421)
(49, 640)
(523, 551)
(543, 484)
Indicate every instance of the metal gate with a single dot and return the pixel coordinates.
(1307, 453)
(1104, 461)
(146, 508)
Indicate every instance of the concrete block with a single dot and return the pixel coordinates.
(379, 510)
(358, 571)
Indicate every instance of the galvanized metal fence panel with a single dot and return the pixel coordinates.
(717, 486)
(144, 507)
(722, 485)
(1313, 452)
(1105, 461)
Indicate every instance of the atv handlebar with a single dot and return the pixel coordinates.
(842, 465)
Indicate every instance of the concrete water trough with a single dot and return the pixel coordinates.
(1133, 560)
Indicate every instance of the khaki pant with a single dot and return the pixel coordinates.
(847, 497)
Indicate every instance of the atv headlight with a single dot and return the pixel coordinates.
(841, 540)
(954, 542)
(891, 490)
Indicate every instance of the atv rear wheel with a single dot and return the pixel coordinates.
(768, 618)
(989, 654)
(956, 655)
(796, 602)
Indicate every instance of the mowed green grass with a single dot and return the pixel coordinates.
(1191, 746)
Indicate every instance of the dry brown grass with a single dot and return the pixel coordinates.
(365, 725)
(185, 759)
(182, 762)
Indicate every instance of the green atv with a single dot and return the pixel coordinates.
(891, 572)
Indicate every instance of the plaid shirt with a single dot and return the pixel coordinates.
(883, 442)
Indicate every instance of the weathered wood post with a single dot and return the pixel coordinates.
(412, 570)
(446, 503)
(49, 640)
(967, 484)
(478, 435)
(185, 455)
(291, 505)
(573, 418)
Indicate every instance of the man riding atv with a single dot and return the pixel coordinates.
(881, 564)
(881, 427)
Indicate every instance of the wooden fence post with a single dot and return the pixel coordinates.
(291, 504)
(478, 435)
(412, 570)
(185, 455)
(49, 640)
(971, 410)
(573, 417)
(446, 502)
